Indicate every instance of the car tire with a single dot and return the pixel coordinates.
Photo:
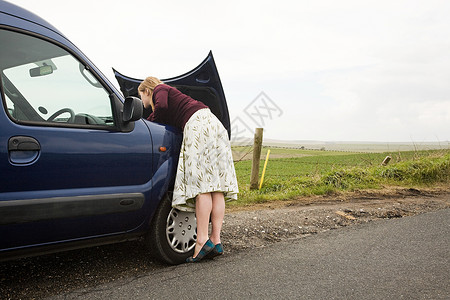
(173, 233)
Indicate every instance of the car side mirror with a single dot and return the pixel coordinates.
(132, 109)
(125, 114)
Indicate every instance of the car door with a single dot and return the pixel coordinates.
(202, 83)
(68, 171)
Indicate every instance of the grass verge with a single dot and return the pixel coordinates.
(330, 172)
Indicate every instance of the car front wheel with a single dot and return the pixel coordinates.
(173, 233)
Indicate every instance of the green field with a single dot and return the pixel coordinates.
(295, 172)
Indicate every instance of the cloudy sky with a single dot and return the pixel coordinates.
(347, 70)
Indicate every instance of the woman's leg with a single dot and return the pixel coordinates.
(203, 207)
(217, 215)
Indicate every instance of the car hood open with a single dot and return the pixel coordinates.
(202, 83)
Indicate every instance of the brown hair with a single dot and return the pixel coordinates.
(149, 83)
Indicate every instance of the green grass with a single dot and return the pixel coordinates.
(309, 172)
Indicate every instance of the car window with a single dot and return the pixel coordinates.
(44, 83)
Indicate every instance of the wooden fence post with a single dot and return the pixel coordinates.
(257, 145)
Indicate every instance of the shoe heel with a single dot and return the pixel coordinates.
(218, 250)
(207, 248)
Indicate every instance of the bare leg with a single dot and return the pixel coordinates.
(217, 215)
(203, 207)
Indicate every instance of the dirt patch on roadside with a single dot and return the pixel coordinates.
(248, 227)
(263, 224)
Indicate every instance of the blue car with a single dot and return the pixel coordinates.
(79, 163)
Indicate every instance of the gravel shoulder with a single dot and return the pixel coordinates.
(244, 228)
(260, 225)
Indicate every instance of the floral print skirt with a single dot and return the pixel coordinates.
(206, 163)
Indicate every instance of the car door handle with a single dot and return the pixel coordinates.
(23, 150)
(23, 143)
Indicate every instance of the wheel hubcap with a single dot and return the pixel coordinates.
(181, 230)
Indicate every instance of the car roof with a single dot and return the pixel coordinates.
(19, 12)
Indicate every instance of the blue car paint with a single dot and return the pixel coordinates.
(164, 162)
(64, 155)
(42, 233)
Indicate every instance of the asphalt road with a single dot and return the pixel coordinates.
(406, 258)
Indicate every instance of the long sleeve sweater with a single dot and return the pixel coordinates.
(173, 107)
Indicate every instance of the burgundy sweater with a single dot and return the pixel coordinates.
(172, 107)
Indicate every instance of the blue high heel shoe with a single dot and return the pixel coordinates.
(216, 251)
(206, 249)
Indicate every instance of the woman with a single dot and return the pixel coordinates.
(205, 175)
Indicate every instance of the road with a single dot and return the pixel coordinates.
(405, 258)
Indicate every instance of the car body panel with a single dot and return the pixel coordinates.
(76, 163)
(164, 162)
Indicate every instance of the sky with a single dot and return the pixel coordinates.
(347, 70)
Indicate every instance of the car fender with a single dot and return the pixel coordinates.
(166, 151)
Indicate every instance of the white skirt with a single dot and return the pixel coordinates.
(206, 162)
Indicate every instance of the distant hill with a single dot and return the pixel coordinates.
(347, 146)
